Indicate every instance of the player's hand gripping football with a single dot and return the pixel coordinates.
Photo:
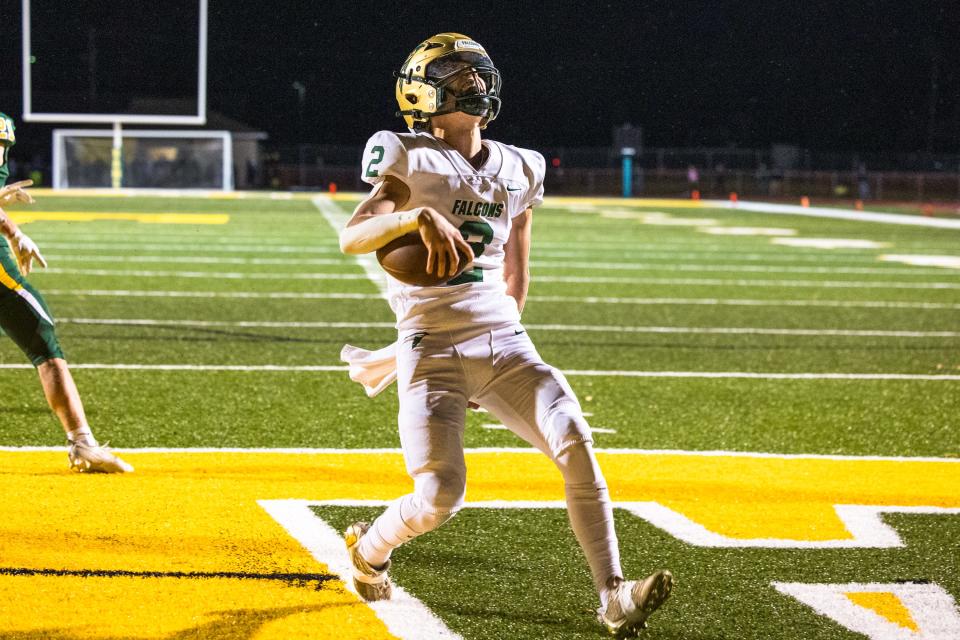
(16, 192)
(25, 250)
(442, 240)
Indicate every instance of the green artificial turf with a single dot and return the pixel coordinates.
(518, 573)
(608, 295)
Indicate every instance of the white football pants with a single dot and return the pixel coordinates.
(500, 369)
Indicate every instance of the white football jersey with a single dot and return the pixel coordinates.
(481, 202)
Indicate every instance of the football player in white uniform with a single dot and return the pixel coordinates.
(462, 343)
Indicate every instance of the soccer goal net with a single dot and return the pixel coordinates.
(148, 159)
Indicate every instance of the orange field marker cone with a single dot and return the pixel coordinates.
(695, 194)
(333, 187)
(734, 198)
(858, 205)
(927, 210)
(804, 201)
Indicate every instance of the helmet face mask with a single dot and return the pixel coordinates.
(445, 74)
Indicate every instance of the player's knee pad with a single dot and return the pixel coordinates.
(438, 496)
(581, 472)
(565, 426)
(441, 490)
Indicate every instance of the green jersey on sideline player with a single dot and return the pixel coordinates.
(25, 317)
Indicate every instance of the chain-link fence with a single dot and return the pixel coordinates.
(781, 172)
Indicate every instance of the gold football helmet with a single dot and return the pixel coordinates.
(426, 80)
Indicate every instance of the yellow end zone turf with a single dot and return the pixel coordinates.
(112, 556)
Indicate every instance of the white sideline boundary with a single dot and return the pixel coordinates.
(863, 522)
(735, 302)
(570, 372)
(404, 615)
(337, 219)
(510, 450)
(574, 328)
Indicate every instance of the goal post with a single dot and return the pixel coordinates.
(36, 113)
(66, 81)
(150, 159)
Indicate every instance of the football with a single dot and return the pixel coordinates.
(406, 260)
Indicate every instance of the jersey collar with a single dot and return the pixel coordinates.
(490, 168)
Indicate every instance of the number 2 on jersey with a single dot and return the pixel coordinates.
(377, 159)
(478, 235)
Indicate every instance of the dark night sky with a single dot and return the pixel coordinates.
(823, 74)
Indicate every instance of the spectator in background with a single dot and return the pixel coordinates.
(693, 180)
(863, 182)
(763, 179)
(720, 176)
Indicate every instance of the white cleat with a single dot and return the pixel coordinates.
(631, 603)
(372, 584)
(99, 459)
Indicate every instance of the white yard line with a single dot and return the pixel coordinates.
(211, 275)
(722, 282)
(197, 260)
(150, 322)
(710, 282)
(182, 247)
(836, 214)
(136, 293)
(337, 219)
(761, 375)
(570, 372)
(198, 238)
(370, 274)
(539, 264)
(237, 242)
(694, 256)
(919, 270)
(733, 268)
(736, 302)
(876, 333)
(196, 367)
(715, 453)
(881, 333)
(854, 304)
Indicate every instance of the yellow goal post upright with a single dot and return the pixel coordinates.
(35, 110)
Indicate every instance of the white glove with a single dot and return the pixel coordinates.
(25, 250)
(15, 193)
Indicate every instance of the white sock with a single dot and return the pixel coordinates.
(591, 514)
(389, 531)
(82, 435)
